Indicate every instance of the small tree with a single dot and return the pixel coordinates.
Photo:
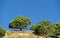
(43, 28)
(19, 22)
(2, 32)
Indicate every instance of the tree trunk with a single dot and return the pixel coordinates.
(20, 29)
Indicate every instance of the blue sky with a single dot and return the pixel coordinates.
(36, 10)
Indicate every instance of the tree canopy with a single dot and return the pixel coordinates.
(44, 27)
(19, 22)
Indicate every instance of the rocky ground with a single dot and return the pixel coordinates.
(21, 34)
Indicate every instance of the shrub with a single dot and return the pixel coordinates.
(43, 28)
(2, 32)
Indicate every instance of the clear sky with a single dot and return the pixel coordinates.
(36, 10)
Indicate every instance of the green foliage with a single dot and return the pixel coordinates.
(33, 27)
(51, 31)
(2, 32)
(19, 22)
(57, 28)
(44, 28)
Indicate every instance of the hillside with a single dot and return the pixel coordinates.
(21, 34)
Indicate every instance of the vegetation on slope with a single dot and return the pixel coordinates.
(43, 28)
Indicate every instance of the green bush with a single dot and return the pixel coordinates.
(43, 28)
(57, 28)
(2, 32)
